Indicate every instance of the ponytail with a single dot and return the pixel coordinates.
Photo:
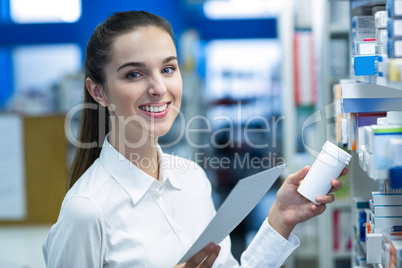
(94, 125)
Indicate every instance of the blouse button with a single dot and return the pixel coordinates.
(158, 199)
(177, 231)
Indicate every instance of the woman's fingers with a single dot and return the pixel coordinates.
(336, 185)
(329, 198)
(210, 260)
(297, 177)
(344, 172)
(318, 209)
(198, 258)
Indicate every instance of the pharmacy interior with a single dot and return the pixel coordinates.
(264, 83)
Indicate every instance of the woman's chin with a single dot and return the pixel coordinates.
(156, 133)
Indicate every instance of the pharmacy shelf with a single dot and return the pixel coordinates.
(366, 3)
(362, 3)
(394, 85)
(365, 98)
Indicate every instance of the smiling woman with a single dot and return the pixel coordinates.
(131, 205)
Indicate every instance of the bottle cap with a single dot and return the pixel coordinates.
(336, 152)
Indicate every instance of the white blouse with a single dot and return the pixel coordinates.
(117, 216)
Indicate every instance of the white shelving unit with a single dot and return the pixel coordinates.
(365, 98)
(358, 94)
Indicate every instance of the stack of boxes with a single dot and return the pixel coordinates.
(394, 49)
(394, 9)
(394, 42)
(363, 45)
(385, 211)
(381, 48)
(379, 229)
(380, 148)
(377, 45)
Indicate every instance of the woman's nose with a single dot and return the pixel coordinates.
(157, 86)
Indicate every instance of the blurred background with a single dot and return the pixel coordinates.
(254, 73)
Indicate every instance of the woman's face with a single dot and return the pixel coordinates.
(143, 82)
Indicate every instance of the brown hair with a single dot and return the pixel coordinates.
(94, 122)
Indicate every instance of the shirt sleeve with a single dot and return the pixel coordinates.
(76, 239)
(267, 249)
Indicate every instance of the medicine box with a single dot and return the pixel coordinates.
(366, 48)
(363, 27)
(368, 138)
(385, 255)
(395, 48)
(383, 199)
(387, 238)
(385, 222)
(394, 8)
(378, 155)
(373, 247)
(381, 19)
(364, 65)
(395, 151)
(381, 35)
(395, 28)
(381, 139)
(362, 160)
(369, 163)
(358, 212)
(385, 210)
(395, 253)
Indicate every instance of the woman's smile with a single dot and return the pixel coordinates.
(156, 110)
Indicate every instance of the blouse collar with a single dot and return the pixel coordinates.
(136, 182)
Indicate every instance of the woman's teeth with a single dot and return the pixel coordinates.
(154, 109)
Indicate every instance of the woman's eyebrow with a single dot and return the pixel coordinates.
(132, 63)
(169, 59)
(141, 64)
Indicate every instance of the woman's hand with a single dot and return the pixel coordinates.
(291, 208)
(203, 259)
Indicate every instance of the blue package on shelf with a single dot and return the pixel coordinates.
(395, 177)
(362, 223)
(364, 65)
(393, 10)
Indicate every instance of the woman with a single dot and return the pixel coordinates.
(129, 205)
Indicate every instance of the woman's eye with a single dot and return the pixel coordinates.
(168, 70)
(133, 75)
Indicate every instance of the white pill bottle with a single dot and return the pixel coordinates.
(328, 166)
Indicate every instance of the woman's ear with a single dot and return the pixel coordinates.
(96, 92)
